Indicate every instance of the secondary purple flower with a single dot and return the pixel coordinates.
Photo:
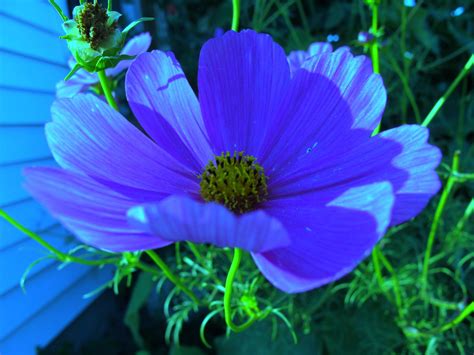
(82, 80)
(283, 167)
(296, 58)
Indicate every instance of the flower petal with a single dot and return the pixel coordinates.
(419, 160)
(328, 241)
(334, 100)
(94, 213)
(136, 45)
(297, 58)
(90, 137)
(360, 87)
(70, 88)
(179, 218)
(242, 78)
(166, 107)
(401, 156)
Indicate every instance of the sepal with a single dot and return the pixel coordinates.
(72, 72)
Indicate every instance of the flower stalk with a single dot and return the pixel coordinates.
(374, 54)
(228, 295)
(235, 15)
(172, 277)
(437, 218)
(67, 258)
(104, 82)
(434, 111)
(463, 315)
(58, 10)
(63, 257)
(374, 47)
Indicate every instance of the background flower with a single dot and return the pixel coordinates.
(296, 58)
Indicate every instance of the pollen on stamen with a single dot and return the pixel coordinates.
(236, 181)
(92, 24)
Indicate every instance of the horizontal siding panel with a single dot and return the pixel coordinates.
(39, 14)
(56, 315)
(19, 107)
(37, 41)
(30, 250)
(32, 61)
(38, 76)
(11, 177)
(20, 144)
(32, 215)
(39, 292)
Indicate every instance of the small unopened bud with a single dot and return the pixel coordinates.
(93, 36)
(93, 33)
(365, 37)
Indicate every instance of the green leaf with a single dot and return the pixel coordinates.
(140, 294)
(31, 266)
(113, 17)
(105, 62)
(58, 10)
(134, 23)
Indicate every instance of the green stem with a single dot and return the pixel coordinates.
(396, 283)
(147, 268)
(59, 10)
(405, 61)
(104, 82)
(199, 258)
(374, 48)
(289, 24)
(374, 54)
(235, 15)
(406, 87)
(465, 70)
(172, 277)
(177, 249)
(377, 268)
(466, 312)
(228, 295)
(63, 257)
(302, 14)
(436, 219)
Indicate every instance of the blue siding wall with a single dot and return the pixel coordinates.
(32, 60)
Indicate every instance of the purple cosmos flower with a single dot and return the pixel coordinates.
(283, 167)
(82, 80)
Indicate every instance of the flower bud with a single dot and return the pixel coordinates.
(93, 36)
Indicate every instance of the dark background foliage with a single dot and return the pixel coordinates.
(423, 48)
